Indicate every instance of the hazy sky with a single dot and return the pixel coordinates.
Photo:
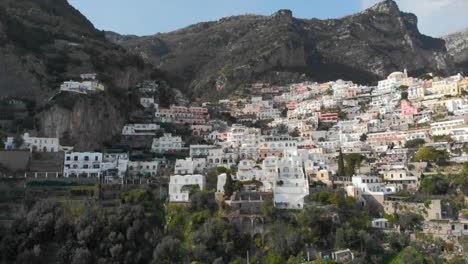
(145, 17)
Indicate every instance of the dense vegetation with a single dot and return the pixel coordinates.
(146, 230)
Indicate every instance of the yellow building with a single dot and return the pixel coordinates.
(442, 88)
(463, 84)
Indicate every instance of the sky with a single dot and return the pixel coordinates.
(146, 17)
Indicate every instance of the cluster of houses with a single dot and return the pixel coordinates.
(289, 138)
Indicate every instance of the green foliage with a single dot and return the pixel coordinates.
(425, 76)
(430, 154)
(457, 259)
(353, 161)
(18, 141)
(295, 133)
(341, 166)
(410, 221)
(203, 200)
(404, 95)
(363, 137)
(409, 255)
(403, 87)
(415, 143)
(340, 242)
(437, 185)
(268, 208)
(272, 258)
(284, 239)
(228, 186)
(323, 261)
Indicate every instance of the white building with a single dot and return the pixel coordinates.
(190, 166)
(140, 129)
(369, 190)
(390, 84)
(459, 133)
(180, 186)
(221, 182)
(143, 168)
(148, 102)
(167, 143)
(82, 164)
(444, 127)
(292, 185)
(82, 87)
(200, 150)
(401, 178)
(222, 158)
(38, 144)
(114, 165)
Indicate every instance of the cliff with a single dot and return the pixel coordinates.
(84, 121)
(457, 46)
(219, 57)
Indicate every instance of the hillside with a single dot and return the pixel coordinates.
(225, 55)
(457, 46)
(43, 43)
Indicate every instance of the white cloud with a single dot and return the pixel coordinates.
(436, 17)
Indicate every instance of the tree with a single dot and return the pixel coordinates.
(353, 161)
(295, 133)
(430, 154)
(363, 137)
(403, 87)
(436, 185)
(425, 76)
(341, 166)
(404, 95)
(228, 186)
(273, 258)
(18, 141)
(168, 251)
(340, 242)
(282, 129)
(415, 143)
(409, 255)
(410, 221)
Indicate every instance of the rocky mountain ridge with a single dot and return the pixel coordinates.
(457, 46)
(220, 57)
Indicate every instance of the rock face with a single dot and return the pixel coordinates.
(223, 55)
(457, 46)
(84, 121)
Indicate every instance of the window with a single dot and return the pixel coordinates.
(86, 158)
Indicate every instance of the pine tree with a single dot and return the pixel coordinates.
(341, 166)
(340, 242)
(228, 186)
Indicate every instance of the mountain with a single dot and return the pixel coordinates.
(45, 42)
(457, 46)
(220, 57)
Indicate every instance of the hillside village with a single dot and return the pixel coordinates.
(396, 151)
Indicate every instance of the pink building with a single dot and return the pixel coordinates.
(291, 105)
(329, 116)
(408, 109)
